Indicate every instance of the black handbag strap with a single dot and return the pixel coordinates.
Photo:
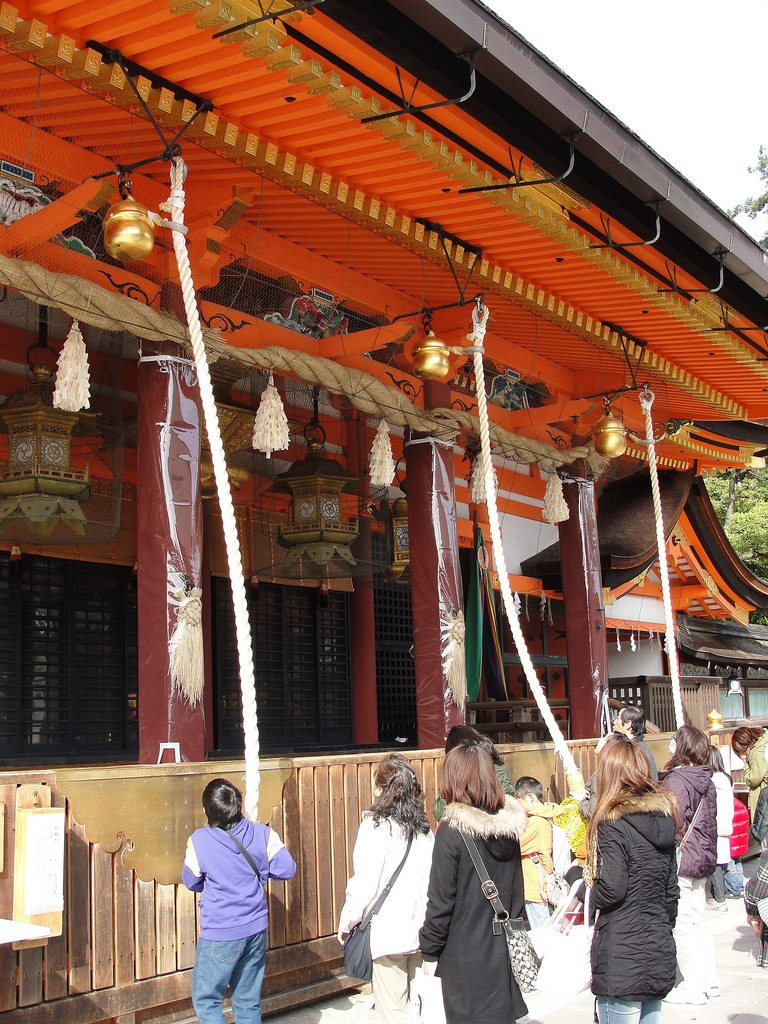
(487, 884)
(388, 887)
(245, 853)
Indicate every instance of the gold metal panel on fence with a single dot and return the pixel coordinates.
(156, 807)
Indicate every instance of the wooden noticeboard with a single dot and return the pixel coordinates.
(38, 876)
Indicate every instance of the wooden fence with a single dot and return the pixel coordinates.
(128, 945)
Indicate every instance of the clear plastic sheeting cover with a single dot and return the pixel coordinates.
(434, 570)
(169, 541)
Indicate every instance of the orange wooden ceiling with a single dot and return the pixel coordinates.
(561, 289)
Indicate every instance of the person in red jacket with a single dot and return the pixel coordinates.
(733, 871)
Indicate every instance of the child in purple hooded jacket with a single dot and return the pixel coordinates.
(229, 862)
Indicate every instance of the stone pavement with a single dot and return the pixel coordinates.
(744, 987)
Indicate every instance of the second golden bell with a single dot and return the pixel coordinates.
(128, 231)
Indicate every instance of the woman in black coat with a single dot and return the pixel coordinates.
(473, 963)
(631, 844)
(688, 778)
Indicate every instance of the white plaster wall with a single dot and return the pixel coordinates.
(642, 662)
(523, 538)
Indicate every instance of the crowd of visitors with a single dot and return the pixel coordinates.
(507, 886)
(656, 842)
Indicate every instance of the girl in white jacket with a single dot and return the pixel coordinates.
(396, 814)
(724, 789)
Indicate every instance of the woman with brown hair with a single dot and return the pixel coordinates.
(458, 934)
(631, 863)
(750, 745)
(394, 830)
(688, 778)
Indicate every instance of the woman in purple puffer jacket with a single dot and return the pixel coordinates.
(687, 777)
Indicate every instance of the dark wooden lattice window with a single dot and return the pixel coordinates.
(395, 670)
(301, 663)
(67, 659)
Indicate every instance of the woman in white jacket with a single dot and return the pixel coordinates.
(724, 790)
(397, 813)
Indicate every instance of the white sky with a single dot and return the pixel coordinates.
(687, 76)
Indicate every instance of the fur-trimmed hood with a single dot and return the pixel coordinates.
(653, 815)
(508, 822)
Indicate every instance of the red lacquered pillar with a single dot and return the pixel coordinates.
(583, 599)
(436, 588)
(168, 543)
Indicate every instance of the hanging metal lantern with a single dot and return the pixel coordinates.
(609, 435)
(128, 231)
(430, 355)
(318, 533)
(401, 547)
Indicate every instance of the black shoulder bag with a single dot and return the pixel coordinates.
(522, 956)
(358, 962)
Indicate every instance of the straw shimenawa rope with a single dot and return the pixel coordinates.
(93, 304)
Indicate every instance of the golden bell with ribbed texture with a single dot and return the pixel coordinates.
(128, 231)
(430, 358)
(610, 437)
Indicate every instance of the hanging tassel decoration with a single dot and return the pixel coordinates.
(555, 509)
(270, 427)
(452, 632)
(618, 640)
(186, 646)
(382, 463)
(73, 383)
(543, 606)
(632, 642)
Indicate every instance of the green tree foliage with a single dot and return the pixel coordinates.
(740, 500)
(754, 207)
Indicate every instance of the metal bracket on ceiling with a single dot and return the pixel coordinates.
(268, 15)
(641, 345)
(477, 252)
(408, 109)
(172, 148)
(610, 244)
(676, 289)
(516, 179)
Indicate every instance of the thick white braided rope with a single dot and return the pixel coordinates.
(670, 645)
(561, 746)
(231, 540)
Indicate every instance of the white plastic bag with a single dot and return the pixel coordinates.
(566, 967)
(426, 1000)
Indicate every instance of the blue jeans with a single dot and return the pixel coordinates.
(734, 877)
(537, 914)
(239, 964)
(621, 1011)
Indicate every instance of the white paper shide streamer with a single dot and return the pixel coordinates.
(270, 427)
(186, 646)
(73, 382)
(382, 463)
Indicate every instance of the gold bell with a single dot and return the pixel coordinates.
(430, 358)
(128, 231)
(610, 437)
